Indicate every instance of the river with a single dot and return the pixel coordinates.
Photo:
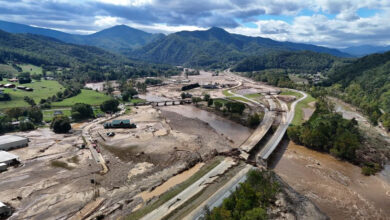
(338, 188)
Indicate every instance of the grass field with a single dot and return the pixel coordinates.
(289, 92)
(226, 93)
(175, 190)
(298, 117)
(223, 101)
(6, 69)
(48, 114)
(42, 89)
(31, 69)
(86, 96)
(253, 95)
(238, 99)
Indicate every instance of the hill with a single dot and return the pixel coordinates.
(116, 38)
(366, 84)
(214, 47)
(38, 50)
(365, 50)
(295, 62)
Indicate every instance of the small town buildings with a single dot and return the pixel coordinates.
(8, 142)
(9, 85)
(8, 158)
(13, 80)
(21, 87)
(3, 167)
(28, 89)
(119, 124)
(58, 112)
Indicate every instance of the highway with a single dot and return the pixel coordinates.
(279, 133)
(217, 198)
(190, 191)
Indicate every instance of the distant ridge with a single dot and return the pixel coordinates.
(116, 38)
(215, 45)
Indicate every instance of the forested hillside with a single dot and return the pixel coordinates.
(117, 38)
(293, 62)
(78, 63)
(215, 48)
(366, 84)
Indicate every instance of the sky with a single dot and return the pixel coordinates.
(332, 23)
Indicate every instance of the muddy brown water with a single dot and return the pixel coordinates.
(338, 188)
(230, 129)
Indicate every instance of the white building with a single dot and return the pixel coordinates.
(8, 142)
(8, 158)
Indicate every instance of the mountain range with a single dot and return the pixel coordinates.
(117, 38)
(364, 50)
(216, 46)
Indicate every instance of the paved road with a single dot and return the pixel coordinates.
(217, 198)
(190, 191)
(262, 129)
(287, 118)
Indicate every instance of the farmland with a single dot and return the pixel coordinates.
(42, 90)
(31, 69)
(86, 96)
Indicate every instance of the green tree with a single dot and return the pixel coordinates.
(210, 102)
(30, 101)
(60, 124)
(110, 105)
(217, 105)
(206, 97)
(35, 114)
(81, 111)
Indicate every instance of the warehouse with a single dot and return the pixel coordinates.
(8, 142)
(8, 158)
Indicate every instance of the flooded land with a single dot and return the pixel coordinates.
(338, 188)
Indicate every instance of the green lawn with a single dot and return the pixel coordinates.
(48, 114)
(238, 99)
(31, 69)
(226, 93)
(223, 101)
(86, 96)
(6, 69)
(42, 89)
(298, 117)
(293, 93)
(253, 95)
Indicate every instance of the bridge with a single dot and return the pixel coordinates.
(271, 145)
(162, 103)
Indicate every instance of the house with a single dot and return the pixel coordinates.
(9, 85)
(21, 87)
(28, 89)
(1, 85)
(13, 80)
(58, 112)
(119, 124)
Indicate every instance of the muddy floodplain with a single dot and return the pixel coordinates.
(338, 188)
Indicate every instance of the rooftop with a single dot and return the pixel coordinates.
(2, 204)
(10, 138)
(5, 156)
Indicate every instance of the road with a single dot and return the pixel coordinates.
(190, 191)
(217, 198)
(279, 133)
(86, 133)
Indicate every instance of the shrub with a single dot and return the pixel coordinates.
(60, 124)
